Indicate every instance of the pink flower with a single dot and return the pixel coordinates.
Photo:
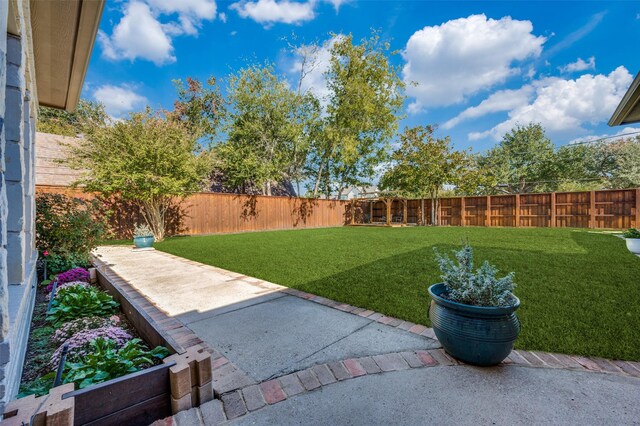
(45, 253)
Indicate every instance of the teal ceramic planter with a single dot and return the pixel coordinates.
(473, 334)
(143, 242)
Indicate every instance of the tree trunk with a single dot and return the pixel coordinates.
(316, 186)
(153, 214)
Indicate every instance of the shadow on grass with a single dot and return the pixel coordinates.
(578, 303)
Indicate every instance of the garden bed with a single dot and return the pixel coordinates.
(139, 396)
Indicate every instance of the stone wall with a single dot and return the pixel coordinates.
(17, 208)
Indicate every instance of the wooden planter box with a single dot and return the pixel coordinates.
(138, 398)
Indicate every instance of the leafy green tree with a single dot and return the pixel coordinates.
(362, 113)
(71, 123)
(145, 159)
(267, 127)
(523, 161)
(627, 157)
(422, 165)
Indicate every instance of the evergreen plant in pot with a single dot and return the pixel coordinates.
(632, 238)
(142, 236)
(472, 311)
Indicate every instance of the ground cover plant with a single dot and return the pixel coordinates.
(578, 289)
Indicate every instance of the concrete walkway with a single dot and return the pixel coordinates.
(281, 356)
(262, 330)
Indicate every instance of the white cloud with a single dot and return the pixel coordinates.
(223, 17)
(563, 106)
(580, 65)
(190, 13)
(138, 35)
(337, 3)
(464, 56)
(502, 100)
(119, 100)
(269, 12)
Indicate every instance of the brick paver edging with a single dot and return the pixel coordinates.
(240, 402)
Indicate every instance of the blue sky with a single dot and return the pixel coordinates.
(480, 67)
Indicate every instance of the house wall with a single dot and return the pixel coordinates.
(17, 188)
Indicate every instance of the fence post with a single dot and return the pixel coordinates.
(462, 211)
(552, 219)
(488, 215)
(592, 209)
(388, 203)
(517, 216)
(404, 212)
(371, 211)
(353, 212)
(638, 208)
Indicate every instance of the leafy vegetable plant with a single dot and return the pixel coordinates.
(77, 301)
(105, 361)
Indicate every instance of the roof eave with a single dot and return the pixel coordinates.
(630, 104)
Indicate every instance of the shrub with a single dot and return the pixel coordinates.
(79, 344)
(104, 361)
(57, 263)
(632, 233)
(77, 301)
(68, 228)
(72, 327)
(480, 288)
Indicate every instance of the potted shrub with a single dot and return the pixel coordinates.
(473, 312)
(632, 237)
(143, 236)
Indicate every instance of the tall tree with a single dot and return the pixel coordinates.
(422, 165)
(362, 112)
(267, 128)
(523, 161)
(144, 158)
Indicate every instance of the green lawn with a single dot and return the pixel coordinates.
(580, 291)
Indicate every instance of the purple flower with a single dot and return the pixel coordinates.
(76, 274)
(72, 327)
(79, 342)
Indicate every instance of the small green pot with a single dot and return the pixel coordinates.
(143, 242)
(476, 335)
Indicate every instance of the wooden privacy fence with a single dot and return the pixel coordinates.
(606, 209)
(213, 213)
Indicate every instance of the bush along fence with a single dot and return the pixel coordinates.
(606, 209)
(178, 382)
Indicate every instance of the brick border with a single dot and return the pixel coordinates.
(239, 402)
